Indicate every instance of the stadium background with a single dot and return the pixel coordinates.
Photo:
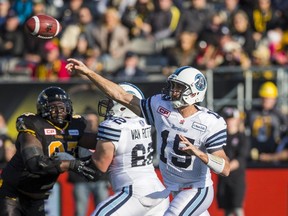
(267, 186)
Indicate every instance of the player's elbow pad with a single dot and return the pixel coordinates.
(43, 165)
(37, 163)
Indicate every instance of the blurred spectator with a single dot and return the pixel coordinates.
(214, 30)
(82, 188)
(134, 17)
(112, 40)
(277, 47)
(70, 12)
(228, 10)
(196, 17)
(241, 31)
(233, 54)
(98, 8)
(265, 124)
(122, 5)
(261, 57)
(130, 70)
(7, 145)
(52, 66)
(263, 18)
(11, 37)
(71, 33)
(39, 7)
(183, 54)
(280, 155)
(4, 10)
(23, 9)
(163, 22)
(210, 54)
(11, 45)
(54, 8)
(82, 47)
(231, 190)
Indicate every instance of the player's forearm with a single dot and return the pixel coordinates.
(108, 87)
(114, 91)
(216, 163)
(100, 163)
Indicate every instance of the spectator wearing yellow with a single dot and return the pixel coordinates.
(265, 123)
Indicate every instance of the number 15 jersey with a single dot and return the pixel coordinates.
(204, 129)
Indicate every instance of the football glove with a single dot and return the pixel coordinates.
(82, 168)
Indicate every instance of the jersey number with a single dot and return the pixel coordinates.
(139, 157)
(182, 164)
(57, 146)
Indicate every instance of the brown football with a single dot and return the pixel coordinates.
(43, 26)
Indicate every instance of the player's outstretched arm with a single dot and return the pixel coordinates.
(108, 87)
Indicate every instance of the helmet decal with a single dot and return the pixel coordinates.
(200, 82)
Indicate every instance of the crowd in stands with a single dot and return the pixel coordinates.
(163, 34)
(125, 39)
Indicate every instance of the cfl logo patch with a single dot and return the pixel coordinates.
(163, 111)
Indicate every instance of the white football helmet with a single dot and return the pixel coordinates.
(195, 86)
(109, 107)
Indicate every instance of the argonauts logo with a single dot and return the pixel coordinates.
(200, 82)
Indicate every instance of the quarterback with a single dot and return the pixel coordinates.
(189, 137)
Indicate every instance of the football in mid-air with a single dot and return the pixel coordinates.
(43, 26)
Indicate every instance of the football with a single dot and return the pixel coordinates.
(43, 26)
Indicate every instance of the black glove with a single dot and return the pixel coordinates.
(82, 168)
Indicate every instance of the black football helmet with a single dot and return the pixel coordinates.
(45, 108)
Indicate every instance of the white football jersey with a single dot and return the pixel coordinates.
(133, 155)
(205, 129)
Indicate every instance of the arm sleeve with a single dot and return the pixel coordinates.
(37, 163)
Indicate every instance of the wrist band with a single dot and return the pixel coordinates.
(215, 163)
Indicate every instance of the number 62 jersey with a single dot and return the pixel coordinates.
(133, 155)
(204, 129)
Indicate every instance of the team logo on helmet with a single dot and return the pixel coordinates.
(200, 82)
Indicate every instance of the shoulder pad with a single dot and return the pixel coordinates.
(79, 122)
(28, 114)
(26, 122)
(76, 116)
(114, 122)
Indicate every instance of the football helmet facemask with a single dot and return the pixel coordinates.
(108, 107)
(54, 104)
(194, 87)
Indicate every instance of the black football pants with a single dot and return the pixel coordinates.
(21, 207)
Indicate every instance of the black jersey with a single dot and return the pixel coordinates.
(53, 139)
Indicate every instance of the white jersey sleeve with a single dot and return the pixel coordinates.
(133, 150)
(204, 129)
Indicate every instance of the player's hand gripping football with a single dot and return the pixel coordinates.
(75, 66)
(83, 169)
